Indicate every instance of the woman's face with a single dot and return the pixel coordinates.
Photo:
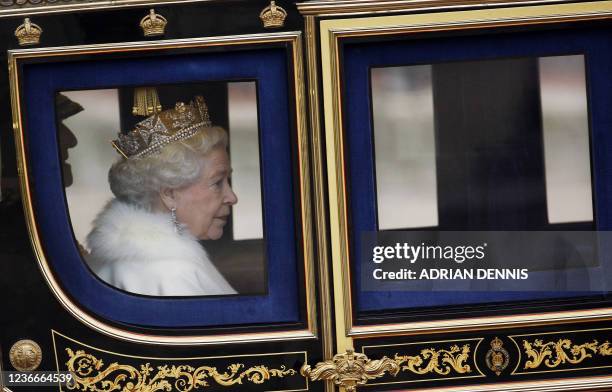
(204, 207)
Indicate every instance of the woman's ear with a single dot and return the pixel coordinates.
(168, 198)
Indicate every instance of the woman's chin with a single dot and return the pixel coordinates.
(213, 235)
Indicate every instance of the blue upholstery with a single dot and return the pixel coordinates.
(359, 58)
(269, 68)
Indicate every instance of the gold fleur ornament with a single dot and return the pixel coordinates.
(350, 369)
(273, 16)
(28, 33)
(153, 25)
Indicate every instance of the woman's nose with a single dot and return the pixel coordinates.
(230, 196)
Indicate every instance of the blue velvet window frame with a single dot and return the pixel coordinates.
(357, 60)
(272, 70)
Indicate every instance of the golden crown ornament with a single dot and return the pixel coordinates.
(28, 33)
(153, 133)
(153, 24)
(273, 16)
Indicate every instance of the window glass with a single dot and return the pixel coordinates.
(244, 150)
(211, 201)
(566, 139)
(483, 145)
(404, 147)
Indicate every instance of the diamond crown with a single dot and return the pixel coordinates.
(153, 24)
(153, 133)
(273, 15)
(28, 33)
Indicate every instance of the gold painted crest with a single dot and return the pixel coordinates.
(497, 357)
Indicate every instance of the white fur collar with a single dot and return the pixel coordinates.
(125, 232)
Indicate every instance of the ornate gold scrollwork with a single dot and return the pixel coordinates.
(350, 369)
(553, 354)
(437, 361)
(90, 375)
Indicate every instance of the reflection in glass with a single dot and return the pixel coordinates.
(163, 202)
(404, 147)
(244, 149)
(482, 145)
(566, 139)
(90, 158)
(494, 145)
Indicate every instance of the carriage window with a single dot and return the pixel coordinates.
(483, 145)
(220, 208)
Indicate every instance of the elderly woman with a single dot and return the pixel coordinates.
(171, 189)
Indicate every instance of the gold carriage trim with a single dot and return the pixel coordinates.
(555, 353)
(350, 369)
(438, 361)
(91, 374)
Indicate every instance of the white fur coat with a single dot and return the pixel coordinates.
(140, 252)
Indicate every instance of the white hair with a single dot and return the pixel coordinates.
(178, 164)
